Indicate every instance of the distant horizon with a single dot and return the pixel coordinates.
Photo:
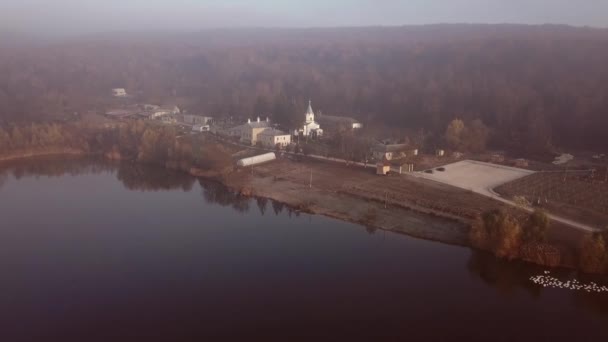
(280, 28)
(76, 17)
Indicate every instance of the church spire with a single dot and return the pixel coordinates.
(310, 115)
(309, 111)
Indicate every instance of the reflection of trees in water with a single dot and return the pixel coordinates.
(54, 167)
(132, 175)
(262, 203)
(217, 193)
(508, 276)
(277, 207)
(144, 177)
(505, 276)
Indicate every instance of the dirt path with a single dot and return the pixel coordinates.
(483, 178)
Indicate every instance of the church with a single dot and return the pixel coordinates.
(310, 128)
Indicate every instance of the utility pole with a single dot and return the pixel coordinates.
(310, 183)
(385, 199)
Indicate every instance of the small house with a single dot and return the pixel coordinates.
(271, 137)
(200, 128)
(383, 167)
(119, 92)
(391, 151)
(165, 110)
(497, 158)
(439, 153)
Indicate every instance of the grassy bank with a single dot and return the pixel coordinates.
(402, 204)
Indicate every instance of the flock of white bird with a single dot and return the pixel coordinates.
(546, 280)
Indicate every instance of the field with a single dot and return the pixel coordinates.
(406, 191)
(581, 196)
(476, 176)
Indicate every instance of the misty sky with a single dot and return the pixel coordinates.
(111, 15)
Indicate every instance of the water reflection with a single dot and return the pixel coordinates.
(139, 177)
(133, 176)
(508, 277)
(505, 276)
(217, 193)
(134, 259)
(53, 167)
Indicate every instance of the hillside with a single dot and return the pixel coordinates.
(535, 86)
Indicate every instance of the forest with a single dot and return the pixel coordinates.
(536, 88)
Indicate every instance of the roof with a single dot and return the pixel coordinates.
(120, 112)
(273, 132)
(309, 110)
(384, 162)
(253, 124)
(337, 119)
(261, 124)
(169, 107)
(391, 148)
(199, 116)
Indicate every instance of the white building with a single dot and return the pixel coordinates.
(271, 137)
(393, 151)
(248, 133)
(119, 92)
(201, 128)
(151, 107)
(165, 110)
(310, 127)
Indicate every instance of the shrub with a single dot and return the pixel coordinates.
(535, 230)
(594, 253)
(498, 232)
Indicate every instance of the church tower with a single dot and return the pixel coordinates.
(310, 115)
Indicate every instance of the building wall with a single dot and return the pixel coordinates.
(250, 135)
(380, 155)
(269, 140)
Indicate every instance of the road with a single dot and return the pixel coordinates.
(491, 193)
(488, 192)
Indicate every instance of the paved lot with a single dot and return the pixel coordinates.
(476, 176)
(482, 178)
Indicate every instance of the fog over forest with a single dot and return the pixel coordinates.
(534, 86)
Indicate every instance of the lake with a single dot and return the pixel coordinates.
(95, 251)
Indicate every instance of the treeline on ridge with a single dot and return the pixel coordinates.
(534, 86)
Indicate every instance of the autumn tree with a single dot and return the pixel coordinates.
(454, 134)
(476, 136)
(594, 253)
(535, 229)
(498, 232)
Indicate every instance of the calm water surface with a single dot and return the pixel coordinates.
(91, 251)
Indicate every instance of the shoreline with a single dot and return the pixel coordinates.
(416, 221)
(56, 152)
